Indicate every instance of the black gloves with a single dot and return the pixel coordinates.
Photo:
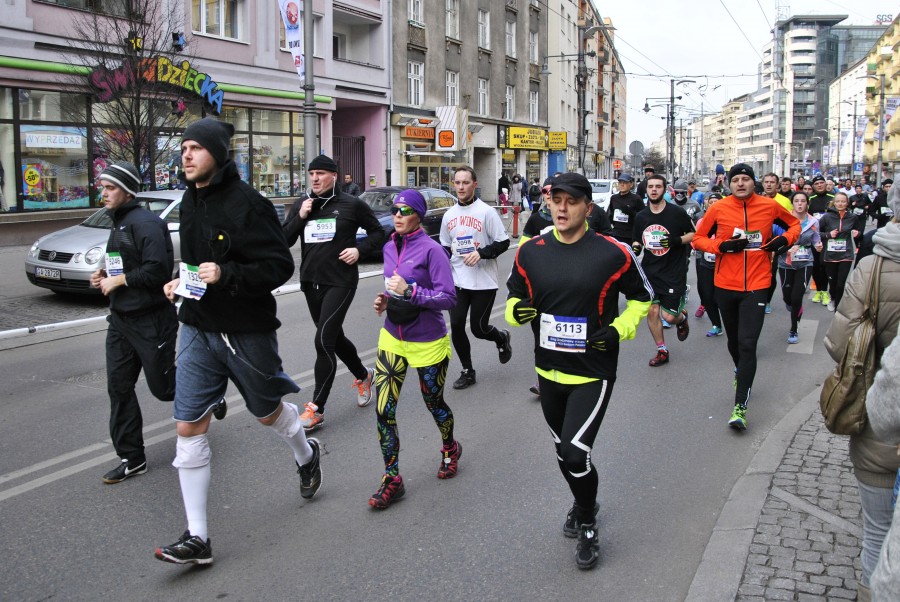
(776, 245)
(670, 241)
(523, 312)
(733, 245)
(604, 340)
(636, 247)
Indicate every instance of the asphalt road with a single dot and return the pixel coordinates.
(666, 460)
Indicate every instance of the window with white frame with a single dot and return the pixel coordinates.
(483, 96)
(509, 110)
(511, 39)
(416, 83)
(317, 31)
(453, 19)
(452, 88)
(415, 11)
(217, 17)
(484, 29)
(533, 47)
(532, 107)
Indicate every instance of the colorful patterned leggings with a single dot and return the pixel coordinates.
(390, 371)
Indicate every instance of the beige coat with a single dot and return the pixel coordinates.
(875, 463)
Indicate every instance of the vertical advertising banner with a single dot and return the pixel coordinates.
(293, 33)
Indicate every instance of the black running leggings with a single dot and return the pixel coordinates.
(743, 314)
(574, 414)
(328, 307)
(837, 278)
(706, 289)
(774, 284)
(793, 287)
(481, 302)
(818, 272)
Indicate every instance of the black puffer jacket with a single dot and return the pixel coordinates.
(143, 241)
(231, 224)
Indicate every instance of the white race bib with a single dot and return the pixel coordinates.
(652, 239)
(710, 257)
(802, 254)
(463, 245)
(858, 210)
(114, 264)
(320, 230)
(755, 238)
(837, 245)
(563, 333)
(190, 287)
(886, 211)
(620, 216)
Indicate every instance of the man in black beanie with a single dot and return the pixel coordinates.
(326, 222)
(739, 230)
(233, 255)
(142, 323)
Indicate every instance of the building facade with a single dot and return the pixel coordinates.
(232, 61)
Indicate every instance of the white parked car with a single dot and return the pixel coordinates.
(601, 190)
(63, 261)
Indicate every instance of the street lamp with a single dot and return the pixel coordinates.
(827, 136)
(880, 131)
(670, 120)
(672, 84)
(853, 142)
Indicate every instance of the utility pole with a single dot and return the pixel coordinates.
(581, 85)
(853, 147)
(881, 128)
(670, 123)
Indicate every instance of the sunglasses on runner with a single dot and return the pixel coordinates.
(403, 210)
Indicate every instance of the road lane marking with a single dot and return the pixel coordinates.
(235, 406)
(807, 333)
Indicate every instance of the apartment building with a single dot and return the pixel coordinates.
(236, 64)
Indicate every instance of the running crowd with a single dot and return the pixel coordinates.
(235, 252)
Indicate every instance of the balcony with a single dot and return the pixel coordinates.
(416, 38)
(512, 5)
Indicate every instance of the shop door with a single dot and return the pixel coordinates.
(350, 155)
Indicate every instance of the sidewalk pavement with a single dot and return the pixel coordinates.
(792, 526)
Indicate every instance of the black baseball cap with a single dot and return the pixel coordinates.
(574, 183)
(625, 177)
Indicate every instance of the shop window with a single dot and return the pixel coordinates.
(6, 103)
(121, 8)
(277, 122)
(236, 116)
(219, 18)
(43, 105)
(7, 169)
(54, 167)
(272, 165)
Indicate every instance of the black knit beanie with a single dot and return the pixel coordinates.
(213, 135)
(323, 162)
(741, 169)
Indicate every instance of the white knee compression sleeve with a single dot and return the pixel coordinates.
(192, 452)
(288, 422)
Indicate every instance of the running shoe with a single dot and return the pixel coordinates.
(390, 491)
(817, 297)
(738, 417)
(190, 549)
(311, 472)
(661, 357)
(125, 470)
(449, 461)
(311, 418)
(665, 324)
(505, 348)
(715, 331)
(793, 339)
(570, 527)
(683, 329)
(364, 389)
(830, 306)
(535, 388)
(826, 298)
(587, 551)
(768, 309)
(220, 409)
(466, 379)
(687, 294)
(700, 311)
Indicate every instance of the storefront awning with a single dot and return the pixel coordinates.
(428, 154)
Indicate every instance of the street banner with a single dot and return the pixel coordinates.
(293, 33)
(890, 107)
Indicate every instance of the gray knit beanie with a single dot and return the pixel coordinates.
(124, 175)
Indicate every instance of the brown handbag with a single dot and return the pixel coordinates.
(843, 397)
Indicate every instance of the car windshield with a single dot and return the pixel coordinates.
(155, 206)
(100, 219)
(600, 186)
(380, 202)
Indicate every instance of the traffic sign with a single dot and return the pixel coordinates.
(617, 164)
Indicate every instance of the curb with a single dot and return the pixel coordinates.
(719, 574)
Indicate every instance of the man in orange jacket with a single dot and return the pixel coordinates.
(741, 225)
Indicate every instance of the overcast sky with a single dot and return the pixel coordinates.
(698, 40)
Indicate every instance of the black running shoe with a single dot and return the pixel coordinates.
(683, 329)
(190, 549)
(125, 470)
(466, 379)
(570, 527)
(504, 347)
(390, 491)
(220, 409)
(310, 473)
(587, 551)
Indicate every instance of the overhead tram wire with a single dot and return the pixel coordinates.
(765, 16)
(743, 33)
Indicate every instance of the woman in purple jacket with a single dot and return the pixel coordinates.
(418, 287)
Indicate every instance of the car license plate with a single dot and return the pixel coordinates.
(47, 273)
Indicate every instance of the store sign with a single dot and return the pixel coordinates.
(527, 138)
(52, 140)
(110, 84)
(418, 133)
(558, 140)
(453, 127)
